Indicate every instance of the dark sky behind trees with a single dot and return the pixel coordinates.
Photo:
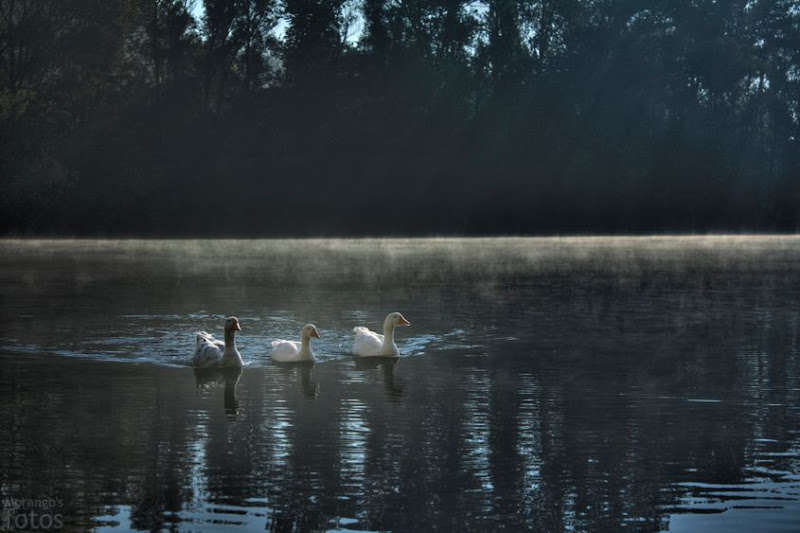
(330, 117)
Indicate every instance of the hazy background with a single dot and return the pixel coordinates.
(362, 117)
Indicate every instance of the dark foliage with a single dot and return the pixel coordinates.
(407, 117)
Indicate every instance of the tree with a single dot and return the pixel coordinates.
(313, 45)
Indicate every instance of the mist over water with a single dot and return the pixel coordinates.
(141, 299)
(555, 384)
(345, 261)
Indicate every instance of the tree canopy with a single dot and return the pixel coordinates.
(356, 117)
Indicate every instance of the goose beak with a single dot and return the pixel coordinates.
(315, 333)
(237, 327)
(403, 322)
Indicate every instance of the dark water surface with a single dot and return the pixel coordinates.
(575, 384)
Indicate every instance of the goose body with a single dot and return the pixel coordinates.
(210, 352)
(284, 351)
(367, 343)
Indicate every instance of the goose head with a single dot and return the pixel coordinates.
(308, 331)
(232, 324)
(395, 319)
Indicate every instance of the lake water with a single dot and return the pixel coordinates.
(554, 384)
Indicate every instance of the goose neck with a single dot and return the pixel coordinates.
(388, 332)
(230, 338)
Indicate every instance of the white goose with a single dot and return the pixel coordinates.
(370, 344)
(293, 351)
(210, 352)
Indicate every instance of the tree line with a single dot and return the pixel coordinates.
(356, 117)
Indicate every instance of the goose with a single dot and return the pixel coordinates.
(210, 352)
(370, 344)
(293, 351)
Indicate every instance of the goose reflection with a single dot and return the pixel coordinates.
(209, 378)
(394, 388)
(308, 386)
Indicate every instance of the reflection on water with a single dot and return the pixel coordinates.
(387, 367)
(545, 384)
(208, 378)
